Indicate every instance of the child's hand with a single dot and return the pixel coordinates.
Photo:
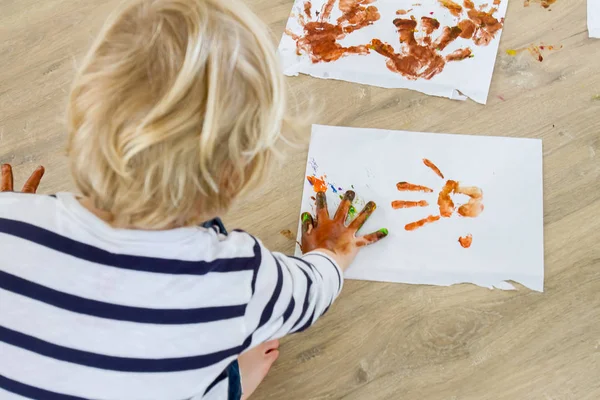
(332, 235)
(6, 185)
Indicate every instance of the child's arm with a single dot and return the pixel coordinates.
(290, 294)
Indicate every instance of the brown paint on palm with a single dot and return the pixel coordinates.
(332, 233)
(30, 186)
(320, 37)
(422, 57)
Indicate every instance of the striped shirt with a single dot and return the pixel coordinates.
(92, 312)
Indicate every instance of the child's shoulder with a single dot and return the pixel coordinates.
(14, 204)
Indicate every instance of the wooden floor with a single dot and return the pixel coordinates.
(391, 341)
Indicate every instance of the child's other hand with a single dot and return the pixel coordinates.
(6, 185)
(332, 235)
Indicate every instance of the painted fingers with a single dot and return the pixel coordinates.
(307, 223)
(34, 180)
(7, 185)
(371, 237)
(322, 212)
(342, 211)
(7, 179)
(360, 220)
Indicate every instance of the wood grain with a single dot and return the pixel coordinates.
(390, 341)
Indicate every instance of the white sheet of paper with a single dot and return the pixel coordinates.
(593, 16)
(507, 236)
(471, 76)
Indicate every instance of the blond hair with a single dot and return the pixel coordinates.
(176, 109)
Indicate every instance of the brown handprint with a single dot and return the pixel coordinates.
(320, 37)
(446, 205)
(423, 57)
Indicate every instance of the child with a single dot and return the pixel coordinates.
(119, 293)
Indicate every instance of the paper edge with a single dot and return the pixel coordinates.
(501, 285)
(535, 283)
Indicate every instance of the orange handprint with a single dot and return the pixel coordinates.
(320, 37)
(446, 205)
(423, 57)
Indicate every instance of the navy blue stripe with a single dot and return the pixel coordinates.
(288, 312)
(334, 267)
(309, 265)
(101, 309)
(87, 252)
(258, 257)
(308, 323)
(306, 299)
(52, 195)
(32, 392)
(112, 363)
(268, 311)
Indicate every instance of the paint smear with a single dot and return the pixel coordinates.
(446, 205)
(536, 51)
(351, 212)
(286, 233)
(409, 187)
(433, 167)
(420, 57)
(314, 165)
(445, 202)
(321, 36)
(396, 204)
(543, 3)
(474, 207)
(318, 184)
(465, 241)
(417, 224)
(455, 9)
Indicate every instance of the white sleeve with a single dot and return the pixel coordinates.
(290, 294)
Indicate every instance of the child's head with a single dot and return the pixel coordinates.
(176, 110)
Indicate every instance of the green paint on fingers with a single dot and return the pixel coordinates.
(351, 211)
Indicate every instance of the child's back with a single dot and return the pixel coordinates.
(90, 311)
(118, 293)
